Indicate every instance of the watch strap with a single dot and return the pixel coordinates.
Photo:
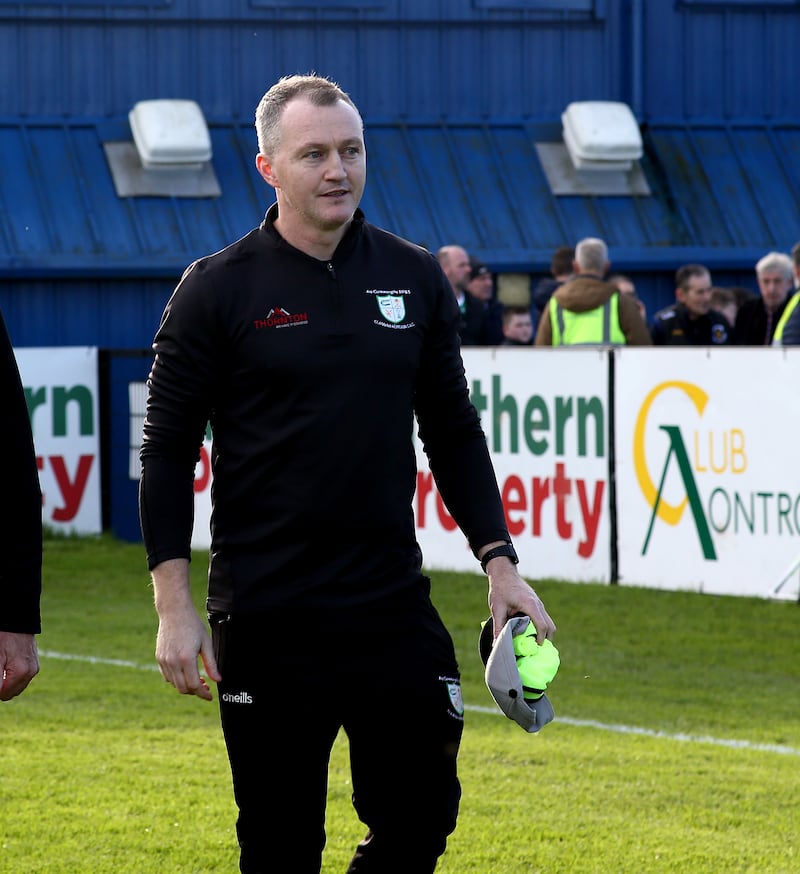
(505, 549)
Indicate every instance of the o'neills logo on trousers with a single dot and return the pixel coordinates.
(237, 698)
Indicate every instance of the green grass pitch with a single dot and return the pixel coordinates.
(676, 745)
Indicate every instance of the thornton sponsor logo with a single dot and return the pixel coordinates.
(278, 317)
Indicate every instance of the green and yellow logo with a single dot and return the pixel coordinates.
(732, 460)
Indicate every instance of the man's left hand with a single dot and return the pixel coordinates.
(510, 595)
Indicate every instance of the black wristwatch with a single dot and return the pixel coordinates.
(505, 549)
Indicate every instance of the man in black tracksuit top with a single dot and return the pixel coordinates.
(310, 344)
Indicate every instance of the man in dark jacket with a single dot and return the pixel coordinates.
(455, 263)
(561, 270)
(691, 321)
(757, 318)
(480, 286)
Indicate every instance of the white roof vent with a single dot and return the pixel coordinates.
(170, 134)
(601, 135)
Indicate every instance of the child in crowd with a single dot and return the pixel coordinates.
(517, 326)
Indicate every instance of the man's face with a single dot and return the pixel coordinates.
(457, 268)
(481, 286)
(519, 327)
(320, 166)
(696, 297)
(774, 287)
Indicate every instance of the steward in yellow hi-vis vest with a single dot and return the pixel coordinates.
(597, 327)
(586, 310)
(777, 337)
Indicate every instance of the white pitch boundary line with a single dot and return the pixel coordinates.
(567, 720)
(650, 732)
(95, 660)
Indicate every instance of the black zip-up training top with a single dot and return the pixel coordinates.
(310, 373)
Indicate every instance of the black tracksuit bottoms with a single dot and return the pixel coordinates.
(289, 684)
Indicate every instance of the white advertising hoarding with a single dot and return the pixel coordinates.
(545, 417)
(62, 394)
(708, 481)
(137, 406)
(201, 533)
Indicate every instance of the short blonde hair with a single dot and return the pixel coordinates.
(316, 89)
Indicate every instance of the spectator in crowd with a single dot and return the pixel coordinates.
(624, 285)
(481, 286)
(742, 295)
(757, 319)
(586, 310)
(20, 533)
(691, 321)
(517, 326)
(725, 301)
(454, 261)
(561, 270)
(787, 332)
(316, 592)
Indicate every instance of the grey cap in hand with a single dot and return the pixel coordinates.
(503, 679)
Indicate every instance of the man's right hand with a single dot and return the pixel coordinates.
(181, 639)
(182, 634)
(19, 663)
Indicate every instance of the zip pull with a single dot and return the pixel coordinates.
(330, 269)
